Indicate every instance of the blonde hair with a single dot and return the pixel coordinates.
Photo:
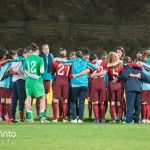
(113, 57)
(146, 53)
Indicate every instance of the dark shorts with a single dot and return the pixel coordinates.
(146, 96)
(98, 90)
(6, 92)
(60, 91)
(47, 86)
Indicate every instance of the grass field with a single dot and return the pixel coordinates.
(68, 136)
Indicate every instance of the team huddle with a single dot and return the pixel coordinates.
(114, 80)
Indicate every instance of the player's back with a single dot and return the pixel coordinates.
(62, 72)
(34, 65)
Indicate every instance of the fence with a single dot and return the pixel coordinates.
(77, 30)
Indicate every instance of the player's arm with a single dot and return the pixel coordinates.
(91, 66)
(124, 75)
(109, 65)
(145, 66)
(5, 61)
(42, 66)
(86, 71)
(12, 72)
(99, 74)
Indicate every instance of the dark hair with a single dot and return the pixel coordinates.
(61, 50)
(93, 57)
(22, 51)
(127, 59)
(3, 52)
(79, 54)
(34, 47)
(11, 54)
(122, 50)
(86, 52)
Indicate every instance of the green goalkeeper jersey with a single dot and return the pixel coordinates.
(34, 65)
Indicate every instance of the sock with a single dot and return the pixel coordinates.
(42, 114)
(144, 111)
(21, 115)
(96, 111)
(120, 112)
(148, 111)
(124, 107)
(65, 110)
(102, 111)
(38, 107)
(8, 111)
(106, 106)
(55, 107)
(29, 114)
(45, 104)
(1, 110)
(113, 112)
(90, 108)
(60, 109)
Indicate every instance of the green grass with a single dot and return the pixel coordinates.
(68, 136)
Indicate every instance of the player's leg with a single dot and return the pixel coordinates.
(137, 107)
(130, 99)
(147, 106)
(8, 104)
(65, 93)
(89, 100)
(2, 105)
(55, 101)
(29, 109)
(14, 101)
(42, 109)
(82, 96)
(39, 92)
(102, 93)
(47, 90)
(113, 106)
(119, 106)
(144, 107)
(38, 108)
(144, 112)
(28, 102)
(94, 98)
(55, 107)
(73, 104)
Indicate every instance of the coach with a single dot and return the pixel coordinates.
(47, 77)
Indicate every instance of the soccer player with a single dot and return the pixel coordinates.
(98, 90)
(145, 101)
(6, 89)
(18, 84)
(46, 76)
(79, 86)
(3, 60)
(34, 64)
(121, 54)
(61, 86)
(86, 56)
(114, 89)
(131, 75)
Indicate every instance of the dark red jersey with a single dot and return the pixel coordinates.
(100, 67)
(62, 72)
(114, 73)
